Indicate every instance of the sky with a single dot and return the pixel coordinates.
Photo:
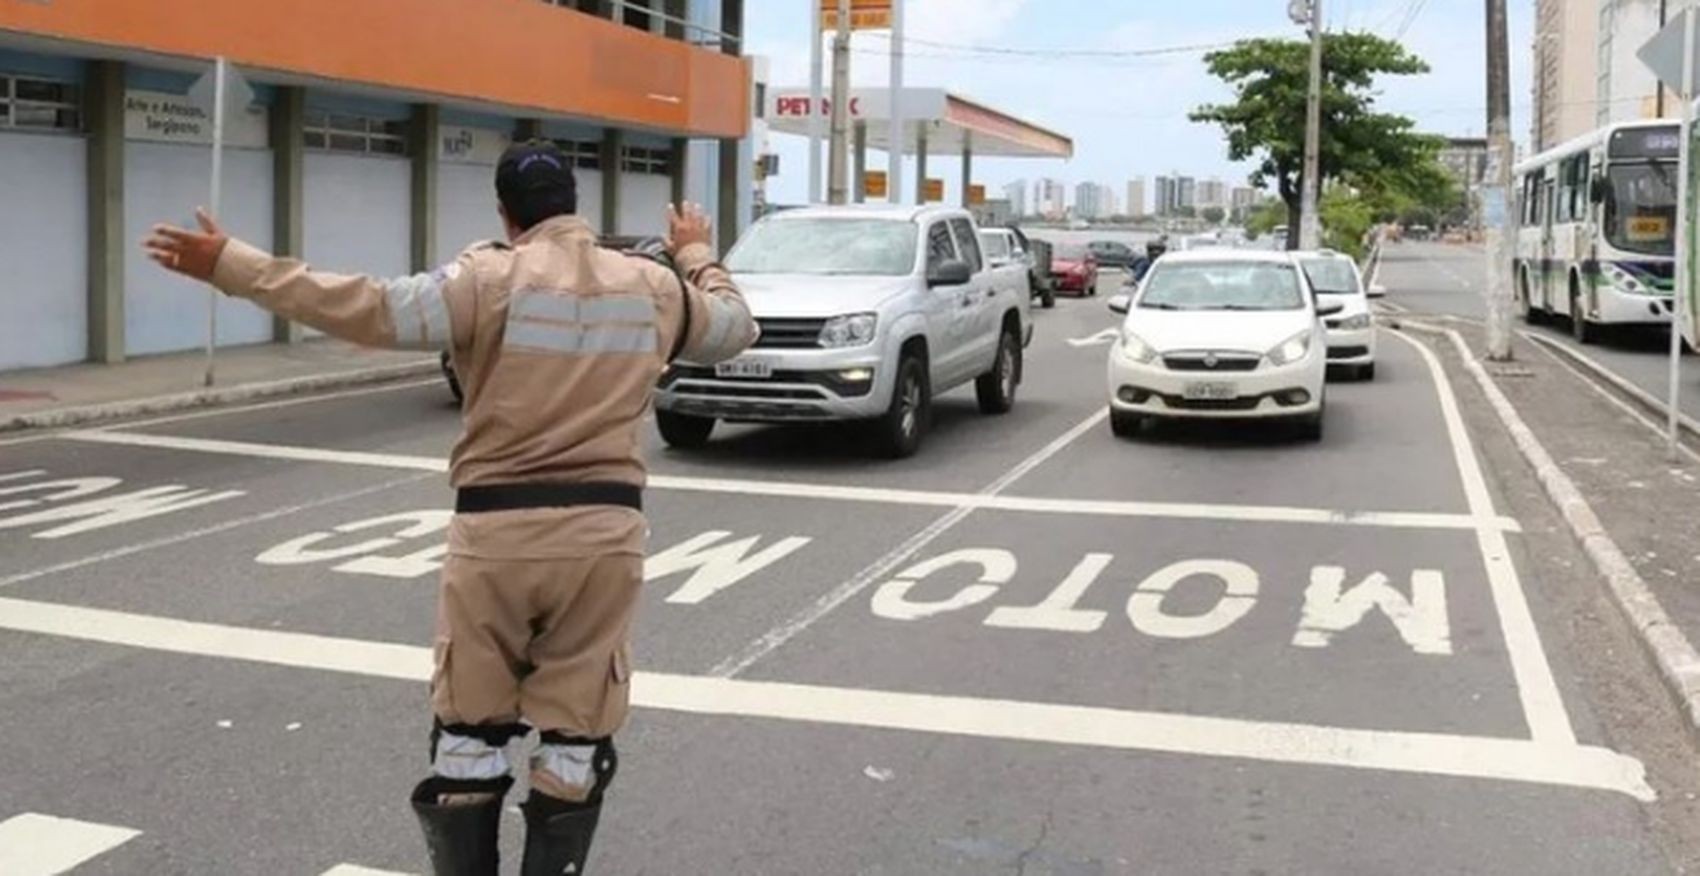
(1128, 115)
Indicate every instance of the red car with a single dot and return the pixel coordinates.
(1074, 269)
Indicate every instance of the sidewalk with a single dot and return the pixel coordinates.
(78, 394)
(1647, 508)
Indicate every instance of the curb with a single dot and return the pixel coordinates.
(59, 418)
(1677, 661)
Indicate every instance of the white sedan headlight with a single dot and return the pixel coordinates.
(855, 330)
(1135, 348)
(1292, 349)
(1357, 321)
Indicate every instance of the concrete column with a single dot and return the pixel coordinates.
(105, 84)
(921, 163)
(678, 169)
(288, 118)
(967, 165)
(859, 163)
(613, 143)
(423, 131)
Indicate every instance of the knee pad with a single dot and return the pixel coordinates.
(471, 752)
(574, 768)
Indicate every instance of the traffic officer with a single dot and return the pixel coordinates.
(558, 345)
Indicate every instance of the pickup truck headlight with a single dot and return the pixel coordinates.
(1292, 349)
(1135, 348)
(1357, 321)
(855, 330)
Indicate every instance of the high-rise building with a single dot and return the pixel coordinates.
(1241, 201)
(1050, 198)
(1136, 198)
(1016, 194)
(1212, 193)
(1568, 50)
(1186, 194)
(1165, 203)
(1624, 88)
(1089, 201)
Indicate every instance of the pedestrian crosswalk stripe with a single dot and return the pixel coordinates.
(41, 845)
(352, 870)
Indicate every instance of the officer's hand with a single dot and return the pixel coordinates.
(190, 253)
(687, 224)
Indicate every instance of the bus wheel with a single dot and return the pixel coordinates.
(1581, 329)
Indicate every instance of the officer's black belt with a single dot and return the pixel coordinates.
(513, 497)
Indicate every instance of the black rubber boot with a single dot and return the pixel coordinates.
(461, 837)
(557, 835)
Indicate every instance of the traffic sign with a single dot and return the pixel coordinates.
(1663, 55)
(874, 183)
(976, 194)
(864, 14)
(932, 191)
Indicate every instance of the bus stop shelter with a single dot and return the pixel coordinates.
(935, 121)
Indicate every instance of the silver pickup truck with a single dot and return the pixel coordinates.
(866, 314)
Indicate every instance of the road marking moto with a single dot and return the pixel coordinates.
(94, 508)
(41, 845)
(1538, 762)
(834, 492)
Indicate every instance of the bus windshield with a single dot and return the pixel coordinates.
(1641, 208)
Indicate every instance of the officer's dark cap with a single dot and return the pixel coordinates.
(534, 182)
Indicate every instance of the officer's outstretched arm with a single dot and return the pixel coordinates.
(424, 311)
(720, 326)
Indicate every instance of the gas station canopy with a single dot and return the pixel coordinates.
(949, 124)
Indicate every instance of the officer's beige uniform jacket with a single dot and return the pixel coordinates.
(558, 345)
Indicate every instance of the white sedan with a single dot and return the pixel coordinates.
(1351, 332)
(1220, 334)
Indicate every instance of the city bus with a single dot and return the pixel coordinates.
(1596, 229)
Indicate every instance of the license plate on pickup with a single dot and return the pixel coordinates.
(744, 369)
(1210, 390)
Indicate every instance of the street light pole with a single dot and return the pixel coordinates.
(838, 175)
(1310, 220)
(1496, 213)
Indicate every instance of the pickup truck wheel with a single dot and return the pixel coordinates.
(683, 430)
(995, 389)
(898, 433)
(1048, 296)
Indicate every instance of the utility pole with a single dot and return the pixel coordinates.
(899, 142)
(815, 100)
(1496, 212)
(1659, 95)
(1310, 219)
(837, 187)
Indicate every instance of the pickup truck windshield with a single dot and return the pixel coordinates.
(1222, 286)
(879, 247)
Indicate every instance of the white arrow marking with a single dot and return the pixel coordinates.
(1107, 336)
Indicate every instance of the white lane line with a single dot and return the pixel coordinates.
(1543, 707)
(190, 535)
(41, 845)
(871, 495)
(354, 870)
(1546, 763)
(880, 568)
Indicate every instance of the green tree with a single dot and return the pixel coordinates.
(1266, 121)
(1213, 215)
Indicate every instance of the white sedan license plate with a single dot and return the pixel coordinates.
(1211, 391)
(744, 368)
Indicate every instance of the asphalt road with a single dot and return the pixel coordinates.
(1033, 648)
(1440, 278)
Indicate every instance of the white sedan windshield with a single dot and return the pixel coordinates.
(1222, 286)
(882, 247)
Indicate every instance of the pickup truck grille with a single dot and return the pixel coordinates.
(789, 334)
